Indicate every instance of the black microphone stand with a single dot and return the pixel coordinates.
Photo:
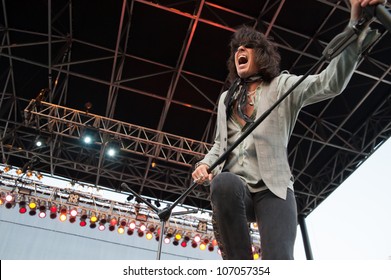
(335, 47)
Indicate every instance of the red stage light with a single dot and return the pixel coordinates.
(22, 207)
(53, 211)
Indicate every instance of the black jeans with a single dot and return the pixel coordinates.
(234, 207)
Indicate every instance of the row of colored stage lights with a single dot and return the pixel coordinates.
(100, 221)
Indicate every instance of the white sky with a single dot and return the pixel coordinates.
(354, 222)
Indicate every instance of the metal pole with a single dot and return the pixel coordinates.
(306, 240)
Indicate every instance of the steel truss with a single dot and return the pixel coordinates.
(329, 142)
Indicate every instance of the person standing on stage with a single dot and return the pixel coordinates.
(254, 183)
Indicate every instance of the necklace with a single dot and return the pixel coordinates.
(251, 97)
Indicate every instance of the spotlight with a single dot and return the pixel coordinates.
(132, 224)
(73, 214)
(151, 228)
(149, 235)
(22, 206)
(113, 223)
(9, 201)
(83, 218)
(153, 164)
(42, 209)
(53, 211)
(63, 213)
(197, 238)
(256, 252)
(211, 247)
(121, 230)
(140, 233)
(19, 171)
(7, 168)
(39, 142)
(184, 243)
(93, 217)
(178, 235)
(130, 231)
(29, 173)
(123, 223)
(38, 175)
(167, 240)
(143, 227)
(202, 246)
(89, 135)
(112, 148)
(102, 222)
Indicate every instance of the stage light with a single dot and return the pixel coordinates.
(211, 247)
(153, 164)
(178, 235)
(151, 228)
(73, 212)
(29, 173)
(39, 142)
(53, 211)
(32, 204)
(92, 225)
(130, 231)
(256, 252)
(132, 224)
(38, 175)
(19, 171)
(197, 238)
(7, 168)
(22, 206)
(140, 233)
(93, 217)
(83, 218)
(143, 227)
(184, 243)
(121, 230)
(113, 147)
(157, 203)
(102, 222)
(9, 201)
(202, 246)
(63, 214)
(167, 240)
(149, 235)
(42, 209)
(194, 244)
(123, 223)
(113, 221)
(89, 135)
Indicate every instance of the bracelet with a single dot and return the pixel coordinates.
(199, 163)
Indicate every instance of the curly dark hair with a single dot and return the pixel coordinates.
(267, 57)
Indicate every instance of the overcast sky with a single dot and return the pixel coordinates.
(354, 222)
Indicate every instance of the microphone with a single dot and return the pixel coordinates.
(381, 13)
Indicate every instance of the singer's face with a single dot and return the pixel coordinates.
(245, 61)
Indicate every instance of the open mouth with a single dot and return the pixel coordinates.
(242, 59)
